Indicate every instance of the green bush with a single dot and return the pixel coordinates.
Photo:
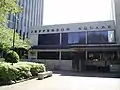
(18, 71)
(12, 57)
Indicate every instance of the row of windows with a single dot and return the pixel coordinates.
(80, 28)
(90, 37)
(111, 55)
(56, 55)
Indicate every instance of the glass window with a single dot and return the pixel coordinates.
(73, 38)
(48, 55)
(100, 37)
(67, 56)
(49, 39)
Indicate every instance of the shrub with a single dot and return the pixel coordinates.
(12, 57)
(18, 71)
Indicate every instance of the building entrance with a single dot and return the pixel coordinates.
(78, 61)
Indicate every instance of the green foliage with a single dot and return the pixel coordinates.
(6, 7)
(12, 57)
(6, 40)
(18, 71)
(6, 34)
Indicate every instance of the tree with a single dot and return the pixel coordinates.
(7, 7)
(6, 40)
(6, 35)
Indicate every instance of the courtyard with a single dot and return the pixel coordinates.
(68, 81)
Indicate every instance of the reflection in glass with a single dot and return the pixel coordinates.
(100, 37)
(73, 38)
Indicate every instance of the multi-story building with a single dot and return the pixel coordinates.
(31, 15)
(78, 46)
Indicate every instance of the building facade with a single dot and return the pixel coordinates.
(77, 46)
(31, 16)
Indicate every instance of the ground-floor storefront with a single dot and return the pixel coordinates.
(79, 58)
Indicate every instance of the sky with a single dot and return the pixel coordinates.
(76, 11)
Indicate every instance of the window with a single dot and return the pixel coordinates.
(66, 55)
(100, 37)
(48, 55)
(39, 30)
(73, 38)
(49, 39)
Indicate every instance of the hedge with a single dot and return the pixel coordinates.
(12, 57)
(18, 71)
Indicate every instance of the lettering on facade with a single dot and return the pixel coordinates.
(85, 28)
(91, 27)
(80, 28)
(97, 27)
(67, 29)
(52, 30)
(57, 30)
(43, 30)
(109, 26)
(62, 29)
(103, 27)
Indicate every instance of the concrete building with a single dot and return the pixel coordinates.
(31, 16)
(69, 46)
(78, 46)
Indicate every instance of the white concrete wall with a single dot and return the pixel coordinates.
(55, 64)
(33, 39)
(117, 19)
(74, 27)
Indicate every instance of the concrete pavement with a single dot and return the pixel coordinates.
(64, 82)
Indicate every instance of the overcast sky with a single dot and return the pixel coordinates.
(74, 11)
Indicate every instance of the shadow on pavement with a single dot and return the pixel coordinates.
(88, 74)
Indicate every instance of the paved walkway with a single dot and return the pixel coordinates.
(64, 82)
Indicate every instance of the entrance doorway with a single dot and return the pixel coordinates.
(78, 61)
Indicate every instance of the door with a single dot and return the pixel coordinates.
(78, 61)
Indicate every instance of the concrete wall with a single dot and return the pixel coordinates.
(55, 64)
(33, 39)
(74, 27)
(116, 14)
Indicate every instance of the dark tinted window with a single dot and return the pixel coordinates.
(48, 55)
(49, 39)
(66, 56)
(96, 37)
(73, 38)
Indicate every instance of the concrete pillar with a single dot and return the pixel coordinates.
(116, 16)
